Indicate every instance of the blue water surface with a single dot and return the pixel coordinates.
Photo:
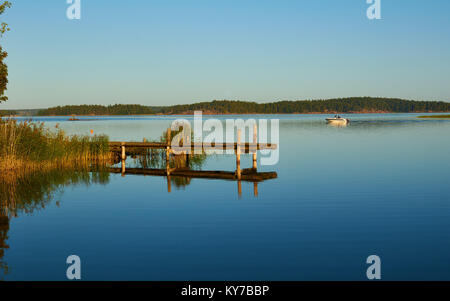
(378, 186)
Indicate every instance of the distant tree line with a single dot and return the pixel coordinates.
(343, 105)
(338, 105)
(7, 112)
(96, 110)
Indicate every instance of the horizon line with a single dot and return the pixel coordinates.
(231, 100)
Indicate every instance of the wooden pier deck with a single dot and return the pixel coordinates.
(245, 147)
(124, 148)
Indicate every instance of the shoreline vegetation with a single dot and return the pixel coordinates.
(435, 116)
(27, 147)
(7, 112)
(224, 107)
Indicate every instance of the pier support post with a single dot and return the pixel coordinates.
(255, 150)
(168, 160)
(238, 155)
(187, 147)
(169, 184)
(124, 155)
(255, 189)
(168, 150)
(169, 137)
(123, 168)
(239, 188)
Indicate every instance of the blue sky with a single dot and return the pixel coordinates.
(184, 51)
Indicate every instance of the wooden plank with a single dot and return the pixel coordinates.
(139, 144)
(244, 146)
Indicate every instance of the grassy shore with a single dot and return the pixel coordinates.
(30, 146)
(435, 116)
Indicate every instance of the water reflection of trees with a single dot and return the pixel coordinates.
(4, 228)
(26, 193)
(31, 192)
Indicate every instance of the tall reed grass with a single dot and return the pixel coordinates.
(27, 145)
(156, 158)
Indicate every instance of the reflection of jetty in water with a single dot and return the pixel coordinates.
(151, 156)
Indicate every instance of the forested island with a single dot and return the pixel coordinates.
(7, 112)
(339, 105)
(97, 110)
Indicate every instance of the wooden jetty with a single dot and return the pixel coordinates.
(134, 148)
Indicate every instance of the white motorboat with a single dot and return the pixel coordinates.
(338, 120)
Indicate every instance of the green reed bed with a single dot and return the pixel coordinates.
(32, 145)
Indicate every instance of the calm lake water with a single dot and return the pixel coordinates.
(379, 186)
